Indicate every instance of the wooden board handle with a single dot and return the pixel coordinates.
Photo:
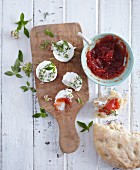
(68, 138)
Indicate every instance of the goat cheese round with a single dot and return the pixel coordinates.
(46, 71)
(72, 80)
(63, 98)
(63, 51)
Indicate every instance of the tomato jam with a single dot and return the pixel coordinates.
(108, 58)
(110, 106)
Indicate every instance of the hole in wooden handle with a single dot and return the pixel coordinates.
(68, 138)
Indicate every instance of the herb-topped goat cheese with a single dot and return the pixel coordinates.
(63, 51)
(46, 71)
(72, 80)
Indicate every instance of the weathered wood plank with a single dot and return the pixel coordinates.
(47, 153)
(1, 13)
(115, 18)
(17, 107)
(135, 116)
(85, 157)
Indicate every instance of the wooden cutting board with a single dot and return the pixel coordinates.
(69, 139)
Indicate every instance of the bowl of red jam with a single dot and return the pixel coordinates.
(108, 61)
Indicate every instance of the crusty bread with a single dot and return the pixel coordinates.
(117, 146)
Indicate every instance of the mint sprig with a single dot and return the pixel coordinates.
(28, 87)
(84, 126)
(16, 69)
(42, 114)
(21, 24)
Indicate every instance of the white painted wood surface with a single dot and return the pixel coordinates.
(27, 144)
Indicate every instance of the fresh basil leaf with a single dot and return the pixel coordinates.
(28, 84)
(26, 32)
(19, 26)
(90, 124)
(49, 33)
(21, 17)
(83, 130)
(9, 73)
(20, 56)
(17, 65)
(49, 68)
(18, 76)
(42, 110)
(44, 115)
(37, 115)
(24, 88)
(83, 125)
(32, 89)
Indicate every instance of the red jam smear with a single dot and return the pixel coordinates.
(65, 100)
(60, 100)
(106, 59)
(111, 105)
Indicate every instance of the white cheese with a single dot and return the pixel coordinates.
(63, 51)
(46, 71)
(62, 94)
(72, 80)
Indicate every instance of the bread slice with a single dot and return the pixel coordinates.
(117, 146)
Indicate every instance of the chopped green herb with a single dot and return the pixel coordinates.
(45, 44)
(79, 101)
(42, 114)
(49, 33)
(84, 126)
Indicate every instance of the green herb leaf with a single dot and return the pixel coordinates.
(45, 44)
(18, 76)
(49, 68)
(32, 89)
(28, 84)
(26, 32)
(79, 101)
(24, 88)
(21, 17)
(20, 56)
(17, 65)
(90, 124)
(84, 126)
(37, 115)
(42, 114)
(9, 73)
(49, 33)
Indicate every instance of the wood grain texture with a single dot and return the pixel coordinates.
(18, 128)
(110, 20)
(85, 157)
(1, 37)
(135, 109)
(17, 107)
(69, 140)
(46, 133)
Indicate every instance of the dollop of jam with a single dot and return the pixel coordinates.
(109, 57)
(110, 106)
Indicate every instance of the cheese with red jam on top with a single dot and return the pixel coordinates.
(63, 99)
(108, 105)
